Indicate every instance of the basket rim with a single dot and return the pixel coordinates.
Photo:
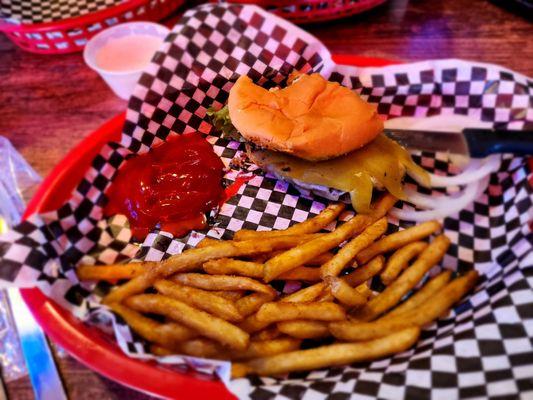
(285, 3)
(74, 22)
(327, 15)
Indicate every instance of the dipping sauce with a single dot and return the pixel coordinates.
(128, 53)
(170, 187)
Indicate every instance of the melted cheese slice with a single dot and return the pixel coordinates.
(381, 163)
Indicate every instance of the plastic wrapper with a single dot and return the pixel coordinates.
(17, 181)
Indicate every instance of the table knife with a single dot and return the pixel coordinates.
(471, 142)
(40, 363)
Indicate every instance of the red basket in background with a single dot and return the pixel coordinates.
(70, 35)
(306, 11)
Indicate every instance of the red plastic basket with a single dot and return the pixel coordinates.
(306, 11)
(71, 35)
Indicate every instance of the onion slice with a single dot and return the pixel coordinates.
(475, 178)
(452, 207)
(489, 165)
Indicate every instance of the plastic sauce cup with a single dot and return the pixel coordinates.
(120, 54)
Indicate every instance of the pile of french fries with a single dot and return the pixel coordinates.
(216, 300)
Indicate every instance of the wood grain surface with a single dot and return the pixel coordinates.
(48, 103)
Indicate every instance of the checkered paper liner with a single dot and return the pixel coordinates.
(482, 350)
(41, 11)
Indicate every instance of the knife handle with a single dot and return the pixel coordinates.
(483, 142)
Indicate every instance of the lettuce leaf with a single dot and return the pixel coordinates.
(222, 123)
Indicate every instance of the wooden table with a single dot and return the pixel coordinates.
(48, 103)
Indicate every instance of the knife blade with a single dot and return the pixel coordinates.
(471, 142)
(42, 369)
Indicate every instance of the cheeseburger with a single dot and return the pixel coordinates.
(320, 136)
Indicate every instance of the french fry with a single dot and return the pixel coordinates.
(365, 291)
(199, 347)
(325, 296)
(167, 334)
(348, 252)
(210, 326)
(302, 273)
(434, 307)
(252, 325)
(331, 355)
(347, 295)
(365, 272)
(399, 260)
(206, 242)
(307, 294)
(266, 334)
(232, 295)
(265, 348)
(262, 258)
(358, 276)
(419, 298)
(200, 299)
(196, 348)
(221, 282)
(320, 259)
(309, 226)
(112, 273)
(304, 329)
(250, 304)
(324, 311)
(315, 262)
(398, 239)
(383, 206)
(405, 282)
(191, 259)
(239, 370)
(301, 254)
(160, 351)
(229, 266)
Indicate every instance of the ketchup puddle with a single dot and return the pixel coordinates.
(171, 187)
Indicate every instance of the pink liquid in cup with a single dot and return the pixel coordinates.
(120, 54)
(127, 53)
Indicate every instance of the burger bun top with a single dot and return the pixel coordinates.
(312, 118)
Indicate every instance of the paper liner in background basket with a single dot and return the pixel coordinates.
(307, 11)
(65, 26)
(483, 349)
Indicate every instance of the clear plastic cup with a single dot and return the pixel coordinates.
(122, 82)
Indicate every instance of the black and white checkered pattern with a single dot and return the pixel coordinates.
(484, 350)
(40, 11)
